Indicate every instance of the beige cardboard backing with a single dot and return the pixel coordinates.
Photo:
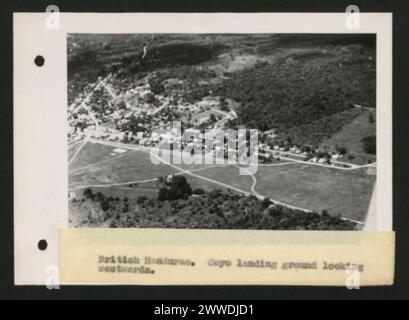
(81, 249)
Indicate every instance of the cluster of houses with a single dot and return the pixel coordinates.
(138, 110)
(138, 102)
(299, 153)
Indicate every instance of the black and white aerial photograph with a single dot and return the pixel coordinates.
(221, 131)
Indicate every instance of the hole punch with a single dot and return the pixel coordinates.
(39, 61)
(42, 245)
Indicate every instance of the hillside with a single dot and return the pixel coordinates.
(301, 88)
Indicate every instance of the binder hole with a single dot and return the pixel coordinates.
(39, 61)
(42, 245)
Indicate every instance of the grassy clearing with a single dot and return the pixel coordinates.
(322, 129)
(346, 193)
(73, 148)
(316, 188)
(198, 183)
(134, 166)
(351, 134)
(233, 62)
(90, 153)
(228, 175)
(310, 187)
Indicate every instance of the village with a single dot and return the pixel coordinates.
(139, 117)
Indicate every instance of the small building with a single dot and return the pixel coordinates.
(335, 156)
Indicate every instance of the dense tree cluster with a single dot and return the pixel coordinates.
(211, 210)
(104, 202)
(85, 58)
(289, 94)
(174, 188)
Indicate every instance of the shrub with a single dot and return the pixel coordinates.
(141, 199)
(105, 205)
(342, 150)
(369, 144)
(266, 203)
(99, 197)
(198, 191)
(88, 193)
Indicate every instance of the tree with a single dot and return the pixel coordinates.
(342, 150)
(371, 117)
(162, 195)
(156, 85)
(369, 144)
(88, 193)
(213, 118)
(121, 105)
(265, 203)
(105, 206)
(141, 199)
(199, 191)
(99, 197)
(223, 104)
(179, 188)
(306, 149)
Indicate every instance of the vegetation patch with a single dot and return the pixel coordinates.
(209, 210)
(318, 188)
(351, 134)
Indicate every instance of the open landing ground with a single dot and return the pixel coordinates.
(122, 170)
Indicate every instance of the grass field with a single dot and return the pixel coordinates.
(101, 168)
(346, 193)
(351, 134)
(322, 129)
(73, 148)
(91, 153)
(228, 175)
